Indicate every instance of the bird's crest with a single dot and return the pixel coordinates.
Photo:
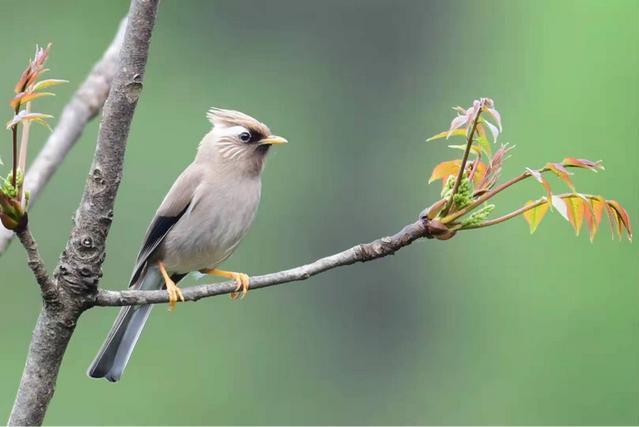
(227, 118)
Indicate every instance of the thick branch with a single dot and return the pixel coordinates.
(36, 263)
(80, 264)
(83, 106)
(361, 253)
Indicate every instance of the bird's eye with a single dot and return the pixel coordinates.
(245, 136)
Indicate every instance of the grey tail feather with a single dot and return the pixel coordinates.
(118, 346)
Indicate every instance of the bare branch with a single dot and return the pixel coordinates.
(81, 109)
(361, 253)
(47, 287)
(80, 264)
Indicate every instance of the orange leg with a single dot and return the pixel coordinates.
(241, 279)
(174, 292)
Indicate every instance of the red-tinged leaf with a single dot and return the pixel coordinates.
(559, 170)
(622, 215)
(444, 170)
(614, 220)
(575, 208)
(540, 179)
(35, 95)
(561, 207)
(597, 204)
(17, 99)
(24, 97)
(534, 215)
(583, 163)
(47, 83)
(445, 134)
(590, 220)
(22, 82)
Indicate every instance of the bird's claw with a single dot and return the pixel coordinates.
(242, 280)
(171, 288)
(175, 294)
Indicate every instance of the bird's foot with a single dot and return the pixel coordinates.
(242, 280)
(175, 293)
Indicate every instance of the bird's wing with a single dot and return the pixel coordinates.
(173, 207)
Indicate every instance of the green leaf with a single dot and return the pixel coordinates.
(534, 215)
(444, 134)
(47, 83)
(575, 207)
(485, 145)
(473, 148)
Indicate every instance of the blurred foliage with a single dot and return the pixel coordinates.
(536, 330)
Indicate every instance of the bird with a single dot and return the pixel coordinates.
(199, 224)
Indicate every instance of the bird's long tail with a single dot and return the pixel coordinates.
(118, 346)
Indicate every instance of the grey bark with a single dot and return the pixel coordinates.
(381, 247)
(81, 109)
(48, 288)
(79, 268)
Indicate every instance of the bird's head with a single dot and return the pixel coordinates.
(237, 139)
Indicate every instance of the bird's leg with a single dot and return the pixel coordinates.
(241, 279)
(171, 287)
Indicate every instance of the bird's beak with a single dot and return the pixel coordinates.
(272, 140)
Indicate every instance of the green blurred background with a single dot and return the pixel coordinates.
(492, 327)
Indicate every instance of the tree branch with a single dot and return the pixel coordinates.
(80, 266)
(81, 109)
(36, 264)
(79, 269)
(361, 253)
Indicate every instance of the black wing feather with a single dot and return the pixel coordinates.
(158, 229)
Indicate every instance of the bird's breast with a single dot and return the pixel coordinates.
(212, 227)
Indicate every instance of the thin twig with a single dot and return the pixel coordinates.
(361, 253)
(36, 263)
(449, 218)
(524, 209)
(462, 169)
(22, 156)
(490, 194)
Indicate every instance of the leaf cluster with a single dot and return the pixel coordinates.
(13, 198)
(467, 184)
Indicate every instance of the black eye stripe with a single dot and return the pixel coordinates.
(250, 137)
(256, 137)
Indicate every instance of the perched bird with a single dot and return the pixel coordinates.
(200, 222)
